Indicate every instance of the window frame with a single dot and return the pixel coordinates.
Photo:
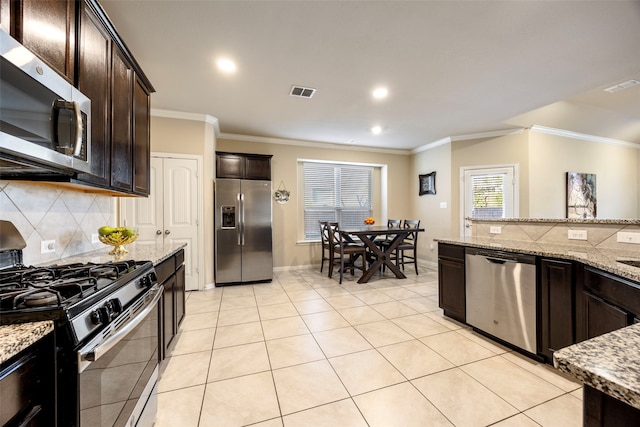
(378, 192)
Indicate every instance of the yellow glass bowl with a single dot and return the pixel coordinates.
(118, 240)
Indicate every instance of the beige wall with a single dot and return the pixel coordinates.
(436, 220)
(196, 137)
(615, 166)
(287, 251)
(504, 150)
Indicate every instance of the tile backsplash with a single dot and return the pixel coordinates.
(599, 234)
(53, 213)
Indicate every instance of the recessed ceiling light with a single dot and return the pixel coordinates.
(226, 65)
(376, 130)
(380, 92)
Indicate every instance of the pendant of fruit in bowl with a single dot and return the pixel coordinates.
(117, 237)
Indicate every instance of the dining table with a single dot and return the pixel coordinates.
(379, 256)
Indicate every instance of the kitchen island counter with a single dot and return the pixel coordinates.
(606, 259)
(18, 337)
(608, 363)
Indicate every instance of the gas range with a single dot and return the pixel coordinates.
(87, 295)
(106, 332)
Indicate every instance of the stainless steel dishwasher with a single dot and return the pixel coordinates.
(501, 296)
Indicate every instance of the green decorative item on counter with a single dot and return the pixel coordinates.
(117, 237)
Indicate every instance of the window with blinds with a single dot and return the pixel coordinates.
(488, 195)
(336, 192)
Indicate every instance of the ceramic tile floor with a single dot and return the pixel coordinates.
(306, 351)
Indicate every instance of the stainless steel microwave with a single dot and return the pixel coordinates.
(45, 122)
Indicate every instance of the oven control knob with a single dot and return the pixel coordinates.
(115, 306)
(100, 316)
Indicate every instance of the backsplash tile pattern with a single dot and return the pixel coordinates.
(600, 234)
(49, 213)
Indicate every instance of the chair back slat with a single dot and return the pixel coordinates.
(412, 224)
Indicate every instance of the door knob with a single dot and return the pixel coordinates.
(158, 232)
(167, 231)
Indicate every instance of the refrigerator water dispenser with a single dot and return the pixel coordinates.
(228, 217)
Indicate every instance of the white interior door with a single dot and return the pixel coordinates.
(489, 192)
(170, 213)
(181, 209)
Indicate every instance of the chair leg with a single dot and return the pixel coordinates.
(415, 261)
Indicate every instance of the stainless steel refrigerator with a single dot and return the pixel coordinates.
(243, 242)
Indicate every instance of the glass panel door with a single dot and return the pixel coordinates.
(488, 193)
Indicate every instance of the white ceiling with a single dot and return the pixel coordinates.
(452, 67)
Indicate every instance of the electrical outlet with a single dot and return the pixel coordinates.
(495, 229)
(47, 246)
(628, 237)
(577, 235)
(94, 238)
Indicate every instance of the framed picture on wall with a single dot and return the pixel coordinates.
(581, 195)
(427, 183)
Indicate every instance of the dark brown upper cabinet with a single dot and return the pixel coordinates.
(48, 29)
(93, 57)
(243, 166)
(94, 80)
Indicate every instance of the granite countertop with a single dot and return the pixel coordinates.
(137, 251)
(15, 338)
(605, 259)
(607, 363)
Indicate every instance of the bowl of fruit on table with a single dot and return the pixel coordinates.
(117, 237)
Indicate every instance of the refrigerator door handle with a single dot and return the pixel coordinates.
(241, 237)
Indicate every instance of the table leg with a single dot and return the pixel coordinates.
(381, 257)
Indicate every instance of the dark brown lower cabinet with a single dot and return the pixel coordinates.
(27, 386)
(451, 281)
(171, 275)
(602, 410)
(606, 303)
(557, 309)
(602, 317)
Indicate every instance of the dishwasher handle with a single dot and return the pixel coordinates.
(493, 260)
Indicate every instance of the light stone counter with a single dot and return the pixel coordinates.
(608, 363)
(137, 251)
(605, 259)
(15, 338)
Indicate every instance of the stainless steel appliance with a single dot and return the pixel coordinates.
(243, 242)
(45, 122)
(106, 333)
(501, 296)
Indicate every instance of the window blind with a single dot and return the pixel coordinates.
(488, 196)
(336, 192)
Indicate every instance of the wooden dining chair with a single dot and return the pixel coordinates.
(327, 248)
(406, 252)
(345, 254)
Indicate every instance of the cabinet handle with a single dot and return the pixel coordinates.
(167, 231)
(158, 232)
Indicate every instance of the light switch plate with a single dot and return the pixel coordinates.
(577, 235)
(495, 229)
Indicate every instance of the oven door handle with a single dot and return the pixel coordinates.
(100, 350)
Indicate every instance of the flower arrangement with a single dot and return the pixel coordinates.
(370, 221)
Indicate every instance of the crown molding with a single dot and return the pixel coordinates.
(170, 114)
(582, 136)
(449, 139)
(313, 144)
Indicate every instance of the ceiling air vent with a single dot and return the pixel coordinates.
(302, 92)
(623, 85)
